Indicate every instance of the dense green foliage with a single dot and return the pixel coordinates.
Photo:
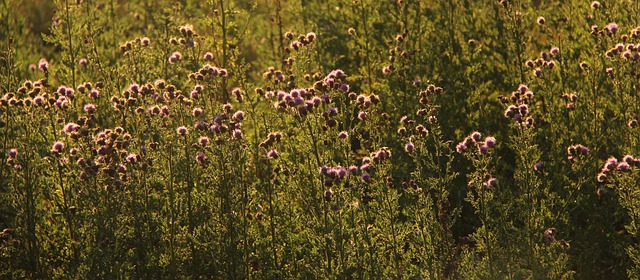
(334, 139)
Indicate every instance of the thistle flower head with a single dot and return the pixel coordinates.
(182, 131)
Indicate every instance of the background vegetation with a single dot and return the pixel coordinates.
(308, 139)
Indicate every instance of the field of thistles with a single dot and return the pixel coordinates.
(333, 139)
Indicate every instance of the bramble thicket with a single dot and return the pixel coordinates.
(336, 139)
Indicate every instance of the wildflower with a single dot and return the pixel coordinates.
(57, 147)
(409, 147)
(540, 20)
(273, 154)
(70, 127)
(366, 177)
(32, 67)
(601, 177)
(197, 112)
(492, 182)
(43, 65)
(182, 131)
(204, 141)
(483, 148)
(38, 100)
(461, 147)
(343, 135)
(628, 159)
(612, 28)
(352, 169)
(554, 51)
(323, 170)
(90, 108)
(366, 160)
(237, 134)
(83, 62)
(362, 115)
(344, 87)
(595, 5)
(476, 136)
(13, 153)
(537, 72)
(238, 116)
(538, 166)
(132, 158)
(490, 141)
(201, 158)
(623, 166)
(208, 56)
(145, 41)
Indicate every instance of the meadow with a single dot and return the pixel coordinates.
(309, 139)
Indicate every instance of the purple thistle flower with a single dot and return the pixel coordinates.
(333, 173)
(83, 62)
(13, 153)
(344, 87)
(364, 166)
(353, 169)
(144, 41)
(238, 116)
(237, 134)
(538, 166)
(94, 93)
(523, 88)
(409, 147)
(483, 149)
(490, 141)
(628, 159)
(341, 171)
(204, 141)
(461, 147)
(90, 108)
(601, 177)
(273, 154)
(362, 115)
(38, 100)
(70, 127)
(623, 166)
(366, 177)
(208, 56)
(197, 112)
(366, 160)
(612, 28)
(182, 131)
(476, 136)
(343, 135)
(132, 158)
(323, 170)
(57, 147)
(201, 158)
(43, 65)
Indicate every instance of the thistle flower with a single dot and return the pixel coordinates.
(612, 28)
(238, 116)
(70, 127)
(237, 134)
(595, 5)
(409, 147)
(601, 177)
(204, 141)
(272, 154)
(540, 20)
(362, 115)
(13, 153)
(57, 147)
(343, 135)
(538, 166)
(144, 41)
(182, 131)
(201, 158)
(43, 65)
(490, 141)
(323, 170)
(461, 147)
(623, 166)
(83, 62)
(344, 87)
(208, 56)
(352, 169)
(197, 112)
(366, 177)
(90, 108)
(132, 158)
